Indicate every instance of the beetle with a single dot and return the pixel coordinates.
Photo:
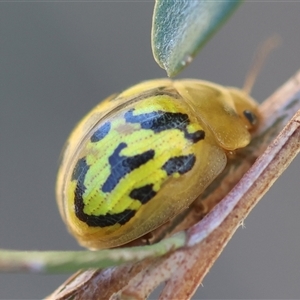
(142, 156)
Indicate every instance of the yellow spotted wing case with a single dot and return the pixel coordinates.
(141, 157)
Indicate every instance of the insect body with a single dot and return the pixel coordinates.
(141, 157)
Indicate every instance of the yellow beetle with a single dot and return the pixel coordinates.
(139, 158)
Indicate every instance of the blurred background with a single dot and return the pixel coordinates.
(58, 60)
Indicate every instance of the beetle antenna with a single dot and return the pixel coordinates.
(259, 59)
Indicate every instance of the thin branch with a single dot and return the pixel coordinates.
(67, 261)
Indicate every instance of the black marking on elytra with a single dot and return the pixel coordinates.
(122, 165)
(179, 164)
(101, 132)
(108, 219)
(80, 170)
(79, 174)
(250, 116)
(101, 220)
(160, 120)
(195, 136)
(143, 194)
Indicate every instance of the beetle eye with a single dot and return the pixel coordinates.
(250, 116)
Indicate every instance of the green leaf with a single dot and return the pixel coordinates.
(181, 28)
